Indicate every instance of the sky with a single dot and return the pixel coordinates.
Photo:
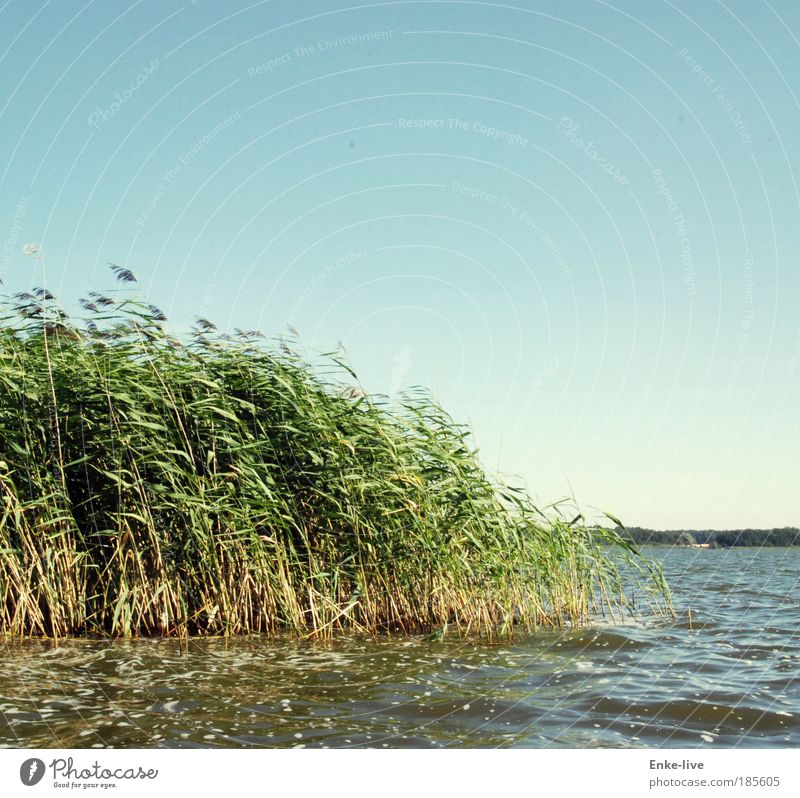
(577, 223)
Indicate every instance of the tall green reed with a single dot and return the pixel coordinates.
(214, 485)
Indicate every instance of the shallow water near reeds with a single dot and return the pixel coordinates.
(730, 677)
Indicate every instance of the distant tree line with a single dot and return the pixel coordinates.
(786, 536)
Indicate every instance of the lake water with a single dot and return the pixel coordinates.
(731, 677)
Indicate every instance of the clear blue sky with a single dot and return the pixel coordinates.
(577, 222)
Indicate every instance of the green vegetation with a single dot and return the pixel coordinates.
(152, 486)
(786, 536)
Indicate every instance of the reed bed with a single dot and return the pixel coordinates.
(218, 485)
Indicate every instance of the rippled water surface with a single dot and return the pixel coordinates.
(729, 677)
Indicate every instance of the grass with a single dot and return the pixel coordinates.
(214, 485)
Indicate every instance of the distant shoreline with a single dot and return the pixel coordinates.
(713, 538)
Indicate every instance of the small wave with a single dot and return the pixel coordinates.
(685, 713)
